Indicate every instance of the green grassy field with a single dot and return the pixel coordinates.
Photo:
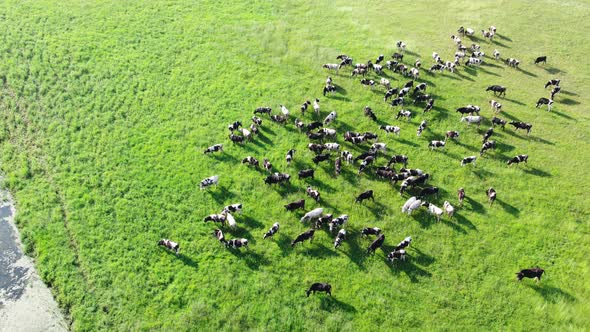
(106, 108)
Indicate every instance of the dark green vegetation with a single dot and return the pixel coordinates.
(106, 108)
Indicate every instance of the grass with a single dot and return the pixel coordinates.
(107, 106)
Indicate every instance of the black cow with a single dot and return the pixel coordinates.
(266, 110)
(421, 179)
(272, 231)
(364, 155)
(497, 89)
(369, 112)
(366, 162)
(379, 58)
(521, 125)
(452, 134)
(540, 59)
(365, 195)
(319, 287)
(491, 193)
(535, 273)
(315, 136)
(307, 235)
(421, 98)
(236, 138)
(554, 81)
(398, 159)
(317, 148)
(314, 125)
(390, 93)
(486, 146)
(428, 191)
(397, 56)
(306, 173)
(370, 231)
(386, 172)
(320, 157)
(499, 122)
(376, 244)
(169, 245)
(518, 159)
(300, 204)
(369, 135)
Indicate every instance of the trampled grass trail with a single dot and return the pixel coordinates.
(107, 108)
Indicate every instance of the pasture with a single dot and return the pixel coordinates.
(106, 109)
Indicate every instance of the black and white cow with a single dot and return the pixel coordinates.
(236, 138)
(461, 196)
(339, 238)
(469, 160)
(212, 180)
(376, 244)
(370, 231)
(218, 234)
(368, 82)
(420, 88)
(380, 58)
(234, 126)
(379, 147)
(305, 106)
(521, 125)
(364, 195)
(496, 106)
(255, 129)
(491, 193)
(332, 146)
(331, 117)
(233, 208)
(214, 148)
(486, 146)
(366, 162)
(306, 173)
(534, 273)
(267, 165)
(499, 122)
(439, 66)
(452, 134)
(317, 148)
(262, 110)
(554, 81)
(321, 157)
(555, 91)
(329, 88)
(544, 101)
(397, 254)
(421, 98)
(497, 90)
(540, 59)
(314, 194)
(323, 220)
(250, 161)
(421, 128)
(347, 156)
(518, 159)
(278, 118)
(338, 222)
(488, 134)
(257, 121)
(300, 204)
(398, 159)
(399, 101)
(369, 112)
(277, 178)
(170, 245)
(272, 231)
(390, 129)
(405, 113)
(237, 243)
(307, 235)
(429, 105)
(428, 191)
(289, 156)
(496, 54)
(319, 287)
(337, 166)
(220, 218)
(404, 243)
(390, 93)
(511, 62)
(436, 144)
(471, 61)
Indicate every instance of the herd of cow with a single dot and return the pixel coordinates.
(318, 133)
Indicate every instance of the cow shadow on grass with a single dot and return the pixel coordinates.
(221, 194)
(412, 270)
(337, 97)
(536, 172)
(263, 138)
(541, 140)
(492, 64)
(285, 190)
(251, 222)
(508, 207)
(569, 101)
(514, 101)
(332, 304)
(318, 250)
(552, 294)
(267, 129)
(182, 257)
(453, 225)
(406, 142)
(563, 115)
(475, 205)
(526, 72)
(225, 157)
(553, 70)
(489, 72)
(464, 221)
(503, 37)
(253, 260)
(466, 146)
(355, 253)
(463, 77)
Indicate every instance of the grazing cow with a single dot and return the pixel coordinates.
(421, 179)
(316, 136)
(254, 129)
(397, 56)
(317, 148)
(429, 105)
(449, 209)
(237, 243)
(262, 110)
(357, 140)
(478, 54)
(518, 159)
(257, 120)
(461, 196)
(390, 93)
(234, 126)
(428, 191)
(421, 128)
(314, 194)
(487, 34)
(403, 92)
(370, 231)
(299, 124)
(552, 82)
(320, 157)
(544, 101)
(214, 148)
(328, 132)
(452, 134)
(412, 172)
(300, 204)
(491, 193)
(230, 219)
(540, 59)
(496, 106)
(397, 254)
(285, 111)
(511, 62)
(233, 208)
(468, 31)
(277, 178)
(331, 66)
(319, 287)
(272, 231)
(379, 147)
(390, 129)
(246, 134)
(397, 102)
(316, 103)
(417, 63)
(306, 173)
(398, 159)
(450, 66)
(492, 29)
(347, 156)
(364, 155)
(380, 58)
(497, 89)
(323, 220)
(364, 195)
(401, 46)
(436, 144)
(332, 146)
(415, 73)
(304, 106)
(220, 218)
(534, 273)
(170, 245)
(329, 88)
(499, 122)
(555, 91)
(433, 210)
(289, 156)
(339, 238)
(338, 222)
(369, 112)
(337, 166)
(459, 54)
(366, 162)
(486, 146)
(488, 134)
(421, 98)
(439, 66)
(277, 118)
(475, 47)
(456, 39)
(212, 180)
(404, 243)
(267, 165)
(402, 69)
(359, 71)
(391, 64)
(236, 138)
(385, 82)
(376, 244)
(411, 204)
(521, 125)
(314, 125)
(331, 117)
(368, 82)
(472, 119)
(405, 113)
(473, 61)
(218, 234)
(329, 80)
(469, 160)
(313, 214)
(496, 54)
(307, 235)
